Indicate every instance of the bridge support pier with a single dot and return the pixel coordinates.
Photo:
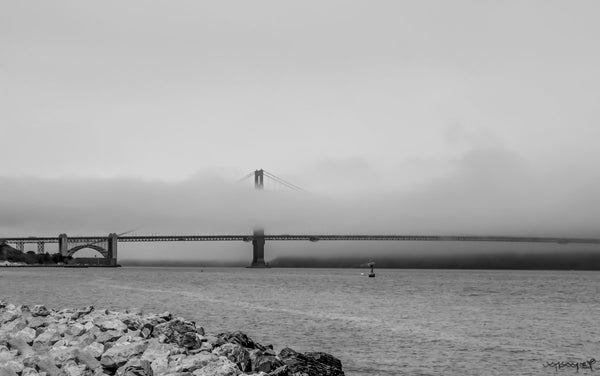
(258, 249)
(20, 246)
(41, 248)
(63, 244)
(112, 242)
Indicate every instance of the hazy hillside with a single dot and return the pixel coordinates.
(8, 253)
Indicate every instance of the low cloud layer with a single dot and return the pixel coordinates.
(484, 191)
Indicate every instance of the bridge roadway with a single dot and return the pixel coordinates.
(107, 245)
(313, 238)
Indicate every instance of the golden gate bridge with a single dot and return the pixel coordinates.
(107, 246)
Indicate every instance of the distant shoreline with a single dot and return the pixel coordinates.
(57, 266)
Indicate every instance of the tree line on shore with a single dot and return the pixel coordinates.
(10, 254)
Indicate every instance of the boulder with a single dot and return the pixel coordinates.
(60, 356)
(262, 362)
(88, 359)
(7, 372)
(135, 367)
(146, 330)
(28, 371)
(214, 341)
(193, 362)
(178, 331)
(48, 337)
(76, 329)
(153, 320)
(77, 314)
(39, 310)
(132, 321)
(241, 339)
(109, 336)
(237, 354)
(158, 356)
(206, 346)
(95, 349)
(71, 368)
(113, 324)
(19, 344)
(13, 365)
(117, 356)
(221, 367)
(46, 365)
(281, 371)
(27, 335)
(37, 322)
(86, 339)
(317, 364)
(14, 326)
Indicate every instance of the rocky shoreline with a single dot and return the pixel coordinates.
(91, 342)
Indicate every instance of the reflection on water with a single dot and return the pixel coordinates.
(403, 322)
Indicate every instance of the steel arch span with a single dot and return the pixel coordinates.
(97, 248)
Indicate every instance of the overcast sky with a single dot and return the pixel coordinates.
(395, 116)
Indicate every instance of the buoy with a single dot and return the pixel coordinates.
(371, 264)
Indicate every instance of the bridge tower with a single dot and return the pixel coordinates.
(63, 244)
(258, 241)
(111, 247)
(259, 179)
(258, 249)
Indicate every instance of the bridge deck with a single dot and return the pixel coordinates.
(313, 238)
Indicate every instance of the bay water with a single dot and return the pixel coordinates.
(402, 322)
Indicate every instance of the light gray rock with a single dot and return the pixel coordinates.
(113, 324)
(221, 367)
(27, 335)
(135, 367)
(6, 356)
(95, 349)
(86, 339)
(206, 346)
(7, 372)
(117, 356)
(132, 321)
(28, 371)
(193, 362)
(76, 329)
(110, 336)
(60, 356)
(158, 356)
(237, 354)
(13, 365)
(48, 337)
(62, 343)
(37, 322)
(71, 368)
(19, 344)
(15, 325)
(9, 316)
(45, 364)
